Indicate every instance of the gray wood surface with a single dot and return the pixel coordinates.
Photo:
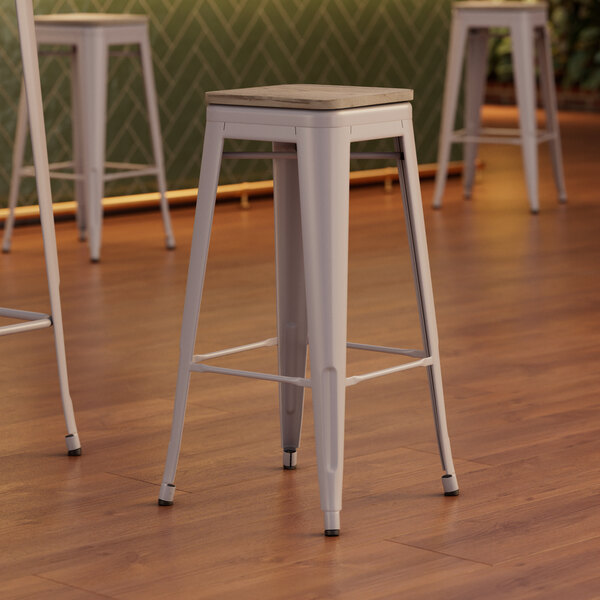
(312, 97)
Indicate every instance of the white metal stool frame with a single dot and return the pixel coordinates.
(34, 320)
(90, 36)
(311, 204)
(527, 24)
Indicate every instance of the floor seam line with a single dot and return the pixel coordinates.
(478, 562)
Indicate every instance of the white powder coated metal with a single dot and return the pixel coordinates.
(31, 320)
(311, 196)
(471, 23)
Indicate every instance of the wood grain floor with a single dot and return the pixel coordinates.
(518, 302)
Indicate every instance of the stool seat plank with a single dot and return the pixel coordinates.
(90, 19)
(310, 96)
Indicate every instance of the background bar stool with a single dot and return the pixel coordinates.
(311, 128)
(526, 23)
(91, 35)
(31, 320)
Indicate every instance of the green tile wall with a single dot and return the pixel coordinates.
(200, 45)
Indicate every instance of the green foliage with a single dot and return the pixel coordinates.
(575, 30)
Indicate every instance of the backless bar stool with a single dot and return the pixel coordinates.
(311, 128)
(90, 36)
(526, 23)
(32, 320)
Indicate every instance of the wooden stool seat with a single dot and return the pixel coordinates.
(310, 96)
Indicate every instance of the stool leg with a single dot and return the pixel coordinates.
(323, 165)
(523, 66)
(548, 90)
(291, 300)
(17, 164)
(93, 75)
(475, 90)
(207, 193)
(157, 148)
(76, 127)
(408, 172)
(40, 158)
(456, 51)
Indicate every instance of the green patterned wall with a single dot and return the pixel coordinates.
(201, 45)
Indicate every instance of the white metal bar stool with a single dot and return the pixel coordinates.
(90, 36)
(33, 320)
(527, 24)
(311, 128)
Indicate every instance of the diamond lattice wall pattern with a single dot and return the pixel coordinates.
(201, 45)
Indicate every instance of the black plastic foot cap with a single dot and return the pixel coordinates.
(162, 502)
(332, 532)
(289, 467)
(454, 493)
(76, 452)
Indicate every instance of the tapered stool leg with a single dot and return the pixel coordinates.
(33, 91)
(17, 164)
(78, 145)
(93, 75)
(413, 209)
(323, 164)
(291, 300)
(523, 66)
(153, 118)
(548, 90)
(476, 72)
(458, 34)
(207, 192)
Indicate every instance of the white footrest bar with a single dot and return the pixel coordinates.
(125, 170)
(424, 362)
(32, 320)
(494, 135)
(204, 368)
(200, 367)
(125, 174)
(55, 173)
(301, 381)
(264, 344)
(24, 315)
(388, 350)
